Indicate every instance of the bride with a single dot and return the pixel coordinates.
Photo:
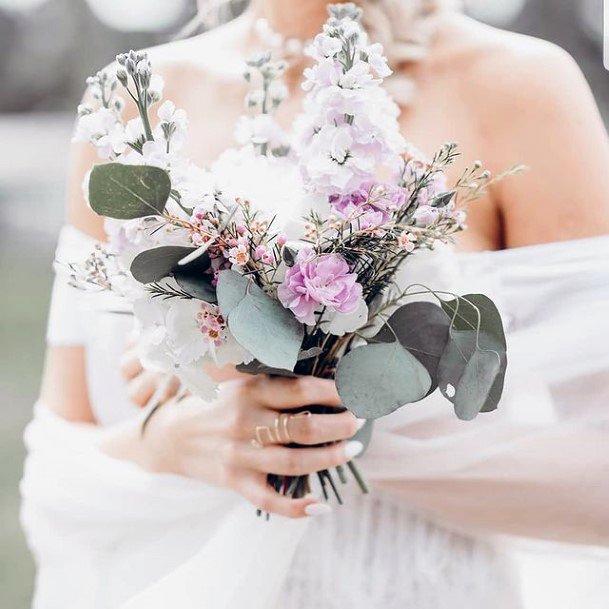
(117, 519)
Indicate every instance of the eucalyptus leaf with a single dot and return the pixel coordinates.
(126, 192)
(259, 324)
(476, 383)
(231, 290)
(466, 309)
(289, 255)
(196, 283)
(309, 353)
(422, 328)
(375, 380)
(461, 348)
(443, 199)
(255, 367)
(159, 262)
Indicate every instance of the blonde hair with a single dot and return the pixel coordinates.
(404, 28)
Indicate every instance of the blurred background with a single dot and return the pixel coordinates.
(47, 48)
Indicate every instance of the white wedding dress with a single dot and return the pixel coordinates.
(449, 498)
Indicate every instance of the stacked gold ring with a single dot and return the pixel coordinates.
(279, 433)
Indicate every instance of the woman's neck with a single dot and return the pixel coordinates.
(300, 19)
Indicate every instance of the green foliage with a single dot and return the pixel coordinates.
(422, 328)
(153, 265)
(260, 324)
(375, 380)
(126, 192)
(474, 314)
(157, 263)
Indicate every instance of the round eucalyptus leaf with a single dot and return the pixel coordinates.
(461, 348)
(196, 283)
(266, 329)
(157, 263)
(125, 192)
(475, 384)
(375, 380)
(422, 328)
(467, 309)
(231, 290)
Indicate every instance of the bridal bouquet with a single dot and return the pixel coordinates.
(289, 255)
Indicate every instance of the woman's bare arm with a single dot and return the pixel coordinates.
(542, 114)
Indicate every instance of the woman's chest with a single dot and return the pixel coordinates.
(432, 120)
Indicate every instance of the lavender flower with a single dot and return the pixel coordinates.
(371, 205)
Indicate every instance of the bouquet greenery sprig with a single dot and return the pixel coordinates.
(290, 254)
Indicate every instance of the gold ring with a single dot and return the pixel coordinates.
(262, 432)
(280, 433)
(286, 423)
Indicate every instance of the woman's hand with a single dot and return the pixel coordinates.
(213, 442)
(142, 383)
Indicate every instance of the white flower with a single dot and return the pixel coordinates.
(134, 130)
(197, 186)
(103, 129)
(272, 185)
(324, 46)
(377, 61)
(239, 255)
(278, 91)
(157, 85)
(357, 77)
(189, 337)
(195, 379)
(155, 153)
(168, 113)
(261, 129)
(152, 344)
(340, 324)
(113, 143)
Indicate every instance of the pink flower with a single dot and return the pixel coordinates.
(263, 255)
(239, 254)
(319, 281)
(407, 241)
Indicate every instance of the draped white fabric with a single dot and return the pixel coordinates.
(108, 535)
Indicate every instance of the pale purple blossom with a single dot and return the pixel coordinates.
(426, 215)
(319, 281)
(371, 205)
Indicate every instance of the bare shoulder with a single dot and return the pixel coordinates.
(531, 105)
(516, 69)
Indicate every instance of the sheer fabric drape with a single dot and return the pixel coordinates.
(459, 495)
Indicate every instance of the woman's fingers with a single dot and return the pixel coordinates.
(302, 428)
(130, 364)
(255, 489)
(296, 461)
(142, 387)
(282, 393)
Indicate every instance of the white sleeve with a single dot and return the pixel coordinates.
(537, 467)
(66, 324)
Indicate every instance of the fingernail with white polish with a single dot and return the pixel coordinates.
(353, 448)
(360, 423)
(317, 509)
